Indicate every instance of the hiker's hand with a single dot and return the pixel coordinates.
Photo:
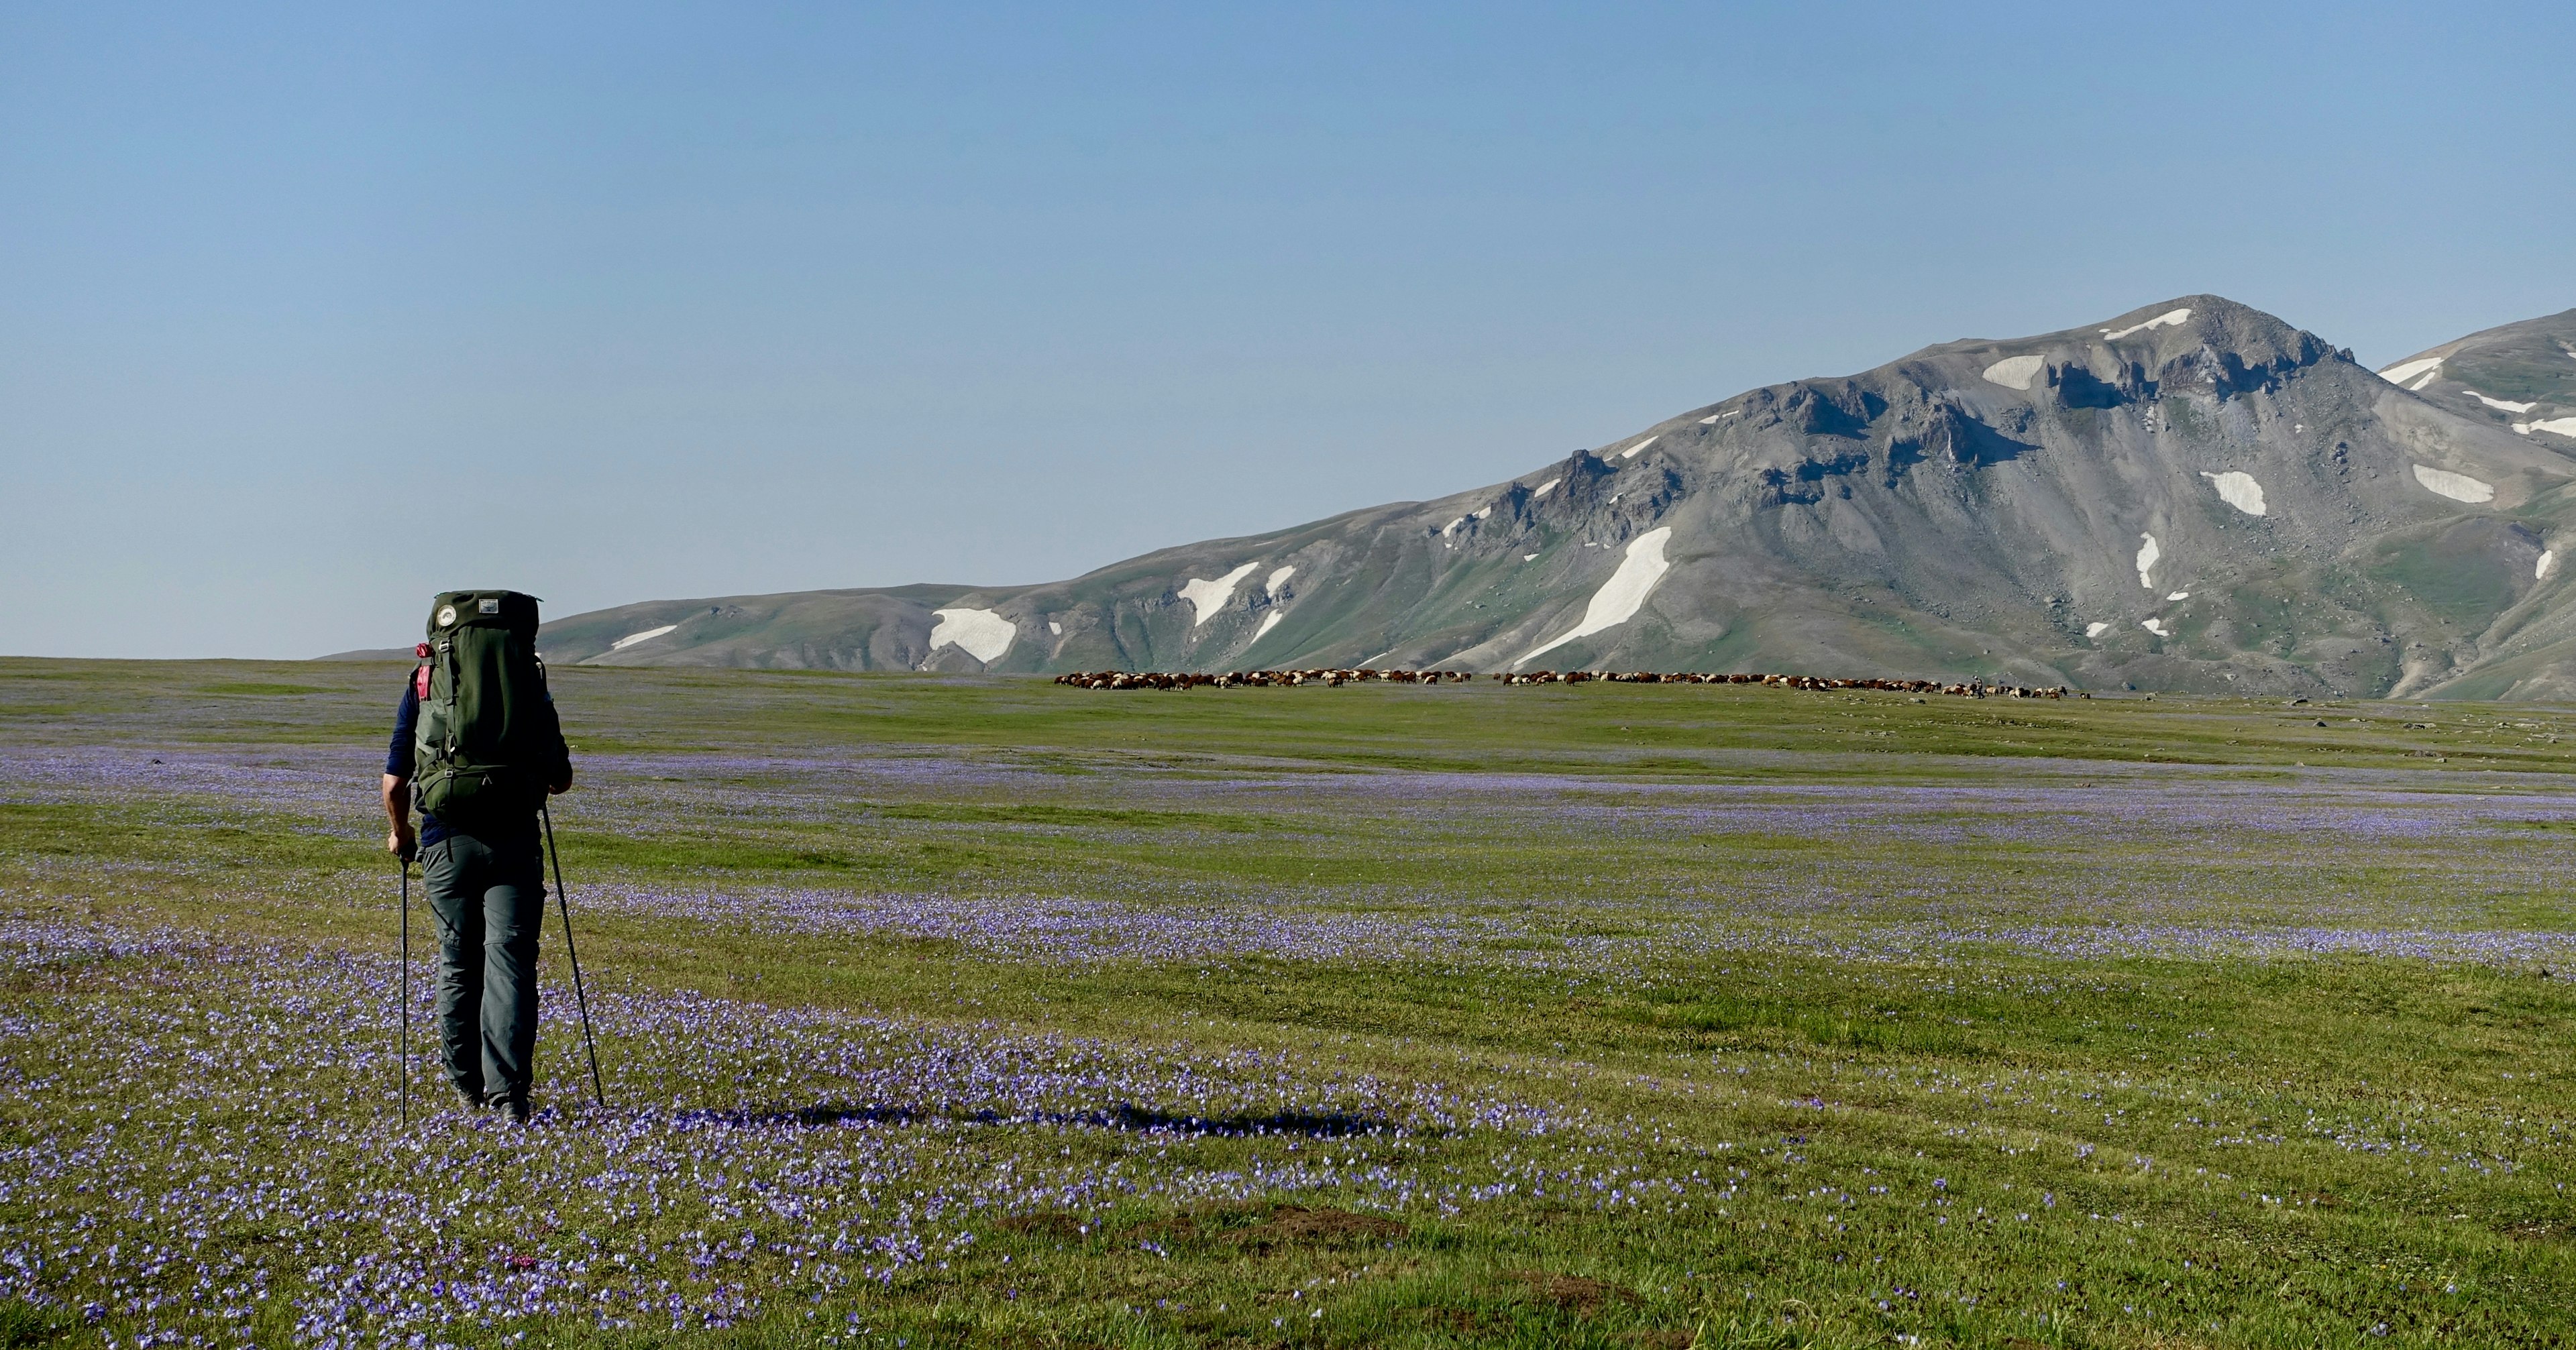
(403, 844)
(561, 785)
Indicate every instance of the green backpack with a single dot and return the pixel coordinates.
(487, 732)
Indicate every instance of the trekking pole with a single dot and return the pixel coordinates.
(580, 1000)
(402, 1009)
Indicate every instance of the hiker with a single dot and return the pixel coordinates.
(486, 754)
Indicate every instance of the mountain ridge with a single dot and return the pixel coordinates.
(2193, 495)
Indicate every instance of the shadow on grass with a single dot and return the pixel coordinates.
(1301, 1124)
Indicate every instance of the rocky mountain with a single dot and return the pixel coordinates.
(2191, 496)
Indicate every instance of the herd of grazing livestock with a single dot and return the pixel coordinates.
(1156, 679)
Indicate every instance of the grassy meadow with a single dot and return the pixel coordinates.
(969, 1012)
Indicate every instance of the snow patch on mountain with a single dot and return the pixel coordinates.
(1631, 451)
(2459, 487)
(2148, 553)
(2499, 404)
(1452, 526)
(1622, 595)
(2403, 371)
(2015, 372)
(1279, 577)
(980, 633)
(646, 636)
(2172, 318)
(1207, 597)
(1268, 622)
(2556, 426)
(1545, 488)
(2238, 490)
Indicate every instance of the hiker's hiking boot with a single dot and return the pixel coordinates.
(515, 1107)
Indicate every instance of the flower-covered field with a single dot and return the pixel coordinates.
(958, 1012)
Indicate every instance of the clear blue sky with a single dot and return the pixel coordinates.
(307, 313)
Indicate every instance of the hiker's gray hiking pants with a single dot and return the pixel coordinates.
(489, 895)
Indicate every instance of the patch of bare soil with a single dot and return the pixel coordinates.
(1295, 1226)
(1042, 1225)
(1573, 1291)
(1455, 1321)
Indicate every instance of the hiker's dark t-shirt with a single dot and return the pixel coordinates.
(399, 762)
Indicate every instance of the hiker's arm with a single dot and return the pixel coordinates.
(559, 777)
(401, 843)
